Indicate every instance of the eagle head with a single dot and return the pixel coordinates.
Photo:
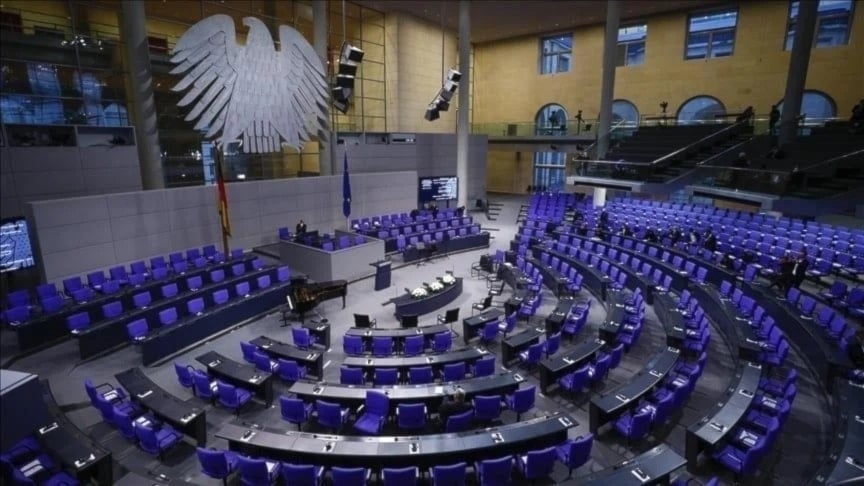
(258, 35)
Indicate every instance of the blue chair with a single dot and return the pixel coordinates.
(459, 422)
(81, 295)
(220, 297)
(17, 315)
(232, 397)
(290, 370)
(385, 377)
(442, 342)
(353, 345)
(142, 300)
(406, 476)
(303, 339)
(450, 475)
(236, 253)
(487, 407)
(494, 472)
(78, 322)
(508, 325)
(302, 474)
(18, 298)
(217, 464)
(263, 362)
(46, 290)
(169, 290)
(454, 371)
(742, 463)
(634, 426)
(350, 476)
(242, 289)
(156, 441)
(489, 332)
(599, 368)
(137, 330)
(248, 350)
(295, 410)
(375, 412)
(411, 416)
(483, 367)
(49, 306)
(195, 306)
(72, 284)
(263, 282)
(420, 375)
(204, 387)
(551, 345)
(283, 273)
(351, 376)
(184, 375)
(414, 345)
(521, 401)
(168, 316)
(112, 309)
(255, 472)
(331, 415)
(217, 276)
(573, 453)
(238, 269)
(532, 355)
(382, 346)
(576, 381)
(537, 464)
(125, 423)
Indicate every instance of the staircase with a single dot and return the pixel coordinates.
(677, 168)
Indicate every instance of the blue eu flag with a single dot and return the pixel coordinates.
(346, 189)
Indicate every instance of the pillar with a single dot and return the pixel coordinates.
(133, 30)
(599, 197)
(805, 28)
(326, 139)
(462, 128)
(607, 87)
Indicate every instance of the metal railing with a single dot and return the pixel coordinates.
(571, 128)
(711, 138)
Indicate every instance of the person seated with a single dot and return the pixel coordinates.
(300, 228)
(453, 405)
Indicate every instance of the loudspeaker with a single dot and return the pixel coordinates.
(352, 53)
(345, 81)
(432, 113)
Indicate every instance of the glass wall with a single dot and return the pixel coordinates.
(550, 167)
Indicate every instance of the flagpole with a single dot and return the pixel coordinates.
(220, 181)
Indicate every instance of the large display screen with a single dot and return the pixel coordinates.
(440, 188)
(15, 251)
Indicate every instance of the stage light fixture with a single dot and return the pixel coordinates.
(343, 86)
(442, 99)
(432, 112)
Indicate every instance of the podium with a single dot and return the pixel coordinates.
(382, 274)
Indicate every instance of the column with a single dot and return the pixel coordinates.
(607, 89)
(320, 29)
(599, 197)
(133, 30)
(462, 128)
(799, 59)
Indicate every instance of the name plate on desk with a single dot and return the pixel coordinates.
(145, 394)
(746, 393)
(496, 438)
(640, 475)
(48, 428)
(518, 377)
(247, 435)
(566, 422)
(81, 462)
(255, 379)
(655, 374)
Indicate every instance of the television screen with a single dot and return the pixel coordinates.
(440, 188)
(15, 251)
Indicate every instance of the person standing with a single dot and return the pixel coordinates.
(773, 118)
(799, 270)
(300, 228)
(855, 349)
(784, 276)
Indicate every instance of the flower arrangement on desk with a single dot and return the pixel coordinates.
(419, 293)
(436, 286)
(448, 279)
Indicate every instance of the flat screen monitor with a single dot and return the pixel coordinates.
(15, 251)
(439, 188)
(409, 320)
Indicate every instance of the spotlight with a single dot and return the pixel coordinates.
(454, 75)
(352, 53)
(432, 112)
(441, 102)
(343, 86)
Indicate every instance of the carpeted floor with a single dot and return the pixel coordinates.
(805, 436)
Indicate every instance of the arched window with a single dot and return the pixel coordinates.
(815, 105)
(700, 109)
(551, 120)
(623, 110)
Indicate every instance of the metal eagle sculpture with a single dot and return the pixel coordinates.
(253, 93)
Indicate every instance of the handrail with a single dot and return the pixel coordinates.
(597, 138)
(698, 142)
(832, 160)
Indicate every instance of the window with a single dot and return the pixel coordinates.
(833, 22)
(551, 120)
(711, 34)
(815, 105)
(700, 109)
(631, 45)
(550, 167)
(555, 53)
(625, 113)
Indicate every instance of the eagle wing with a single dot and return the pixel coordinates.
(209, 56)
(302, 92)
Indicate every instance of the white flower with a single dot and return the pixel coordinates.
(435, 286)
(448, 279)
(419, 292)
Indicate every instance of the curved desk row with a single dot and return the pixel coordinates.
(183, 416)
(555, 367)
(436, 361)
(471, 326)
(48, 328)
(460, 243)
(398, 334)
(653, 466)
(606, 408)
(552, 278)
(241, 375)
(103, 336)
(312, 359)
(392, 452)
(845, 463)
(431, 395)
(408, 305)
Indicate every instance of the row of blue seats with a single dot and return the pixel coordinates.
(25, 463)
(404, 218)
(419, 228)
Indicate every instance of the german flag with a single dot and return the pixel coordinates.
(223, 196)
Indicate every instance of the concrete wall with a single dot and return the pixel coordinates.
(39, 173)
(78, 235)
(431, 154)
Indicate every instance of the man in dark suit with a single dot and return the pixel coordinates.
(855, 349)
(799, 269)
(784, 277)
(301, 228)
(454, 405)
(710, 242)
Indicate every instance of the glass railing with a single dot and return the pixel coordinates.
(747, 180)
(629, 171)
(572, 128)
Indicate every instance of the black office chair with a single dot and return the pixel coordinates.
(482, 305)
(449, 317)
(409, 320)
(363, 320)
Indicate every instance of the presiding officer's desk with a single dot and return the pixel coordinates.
(86, 459)
(404, 451)
(183, 416)
(608, 407)
(238, 374)
(846, 457)
(312, 359)
(436, 361)
(653, 466)
(432, 395)
(511, 346)
(555, 367)
(472, 326)
(398, 334)
(718, 423)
